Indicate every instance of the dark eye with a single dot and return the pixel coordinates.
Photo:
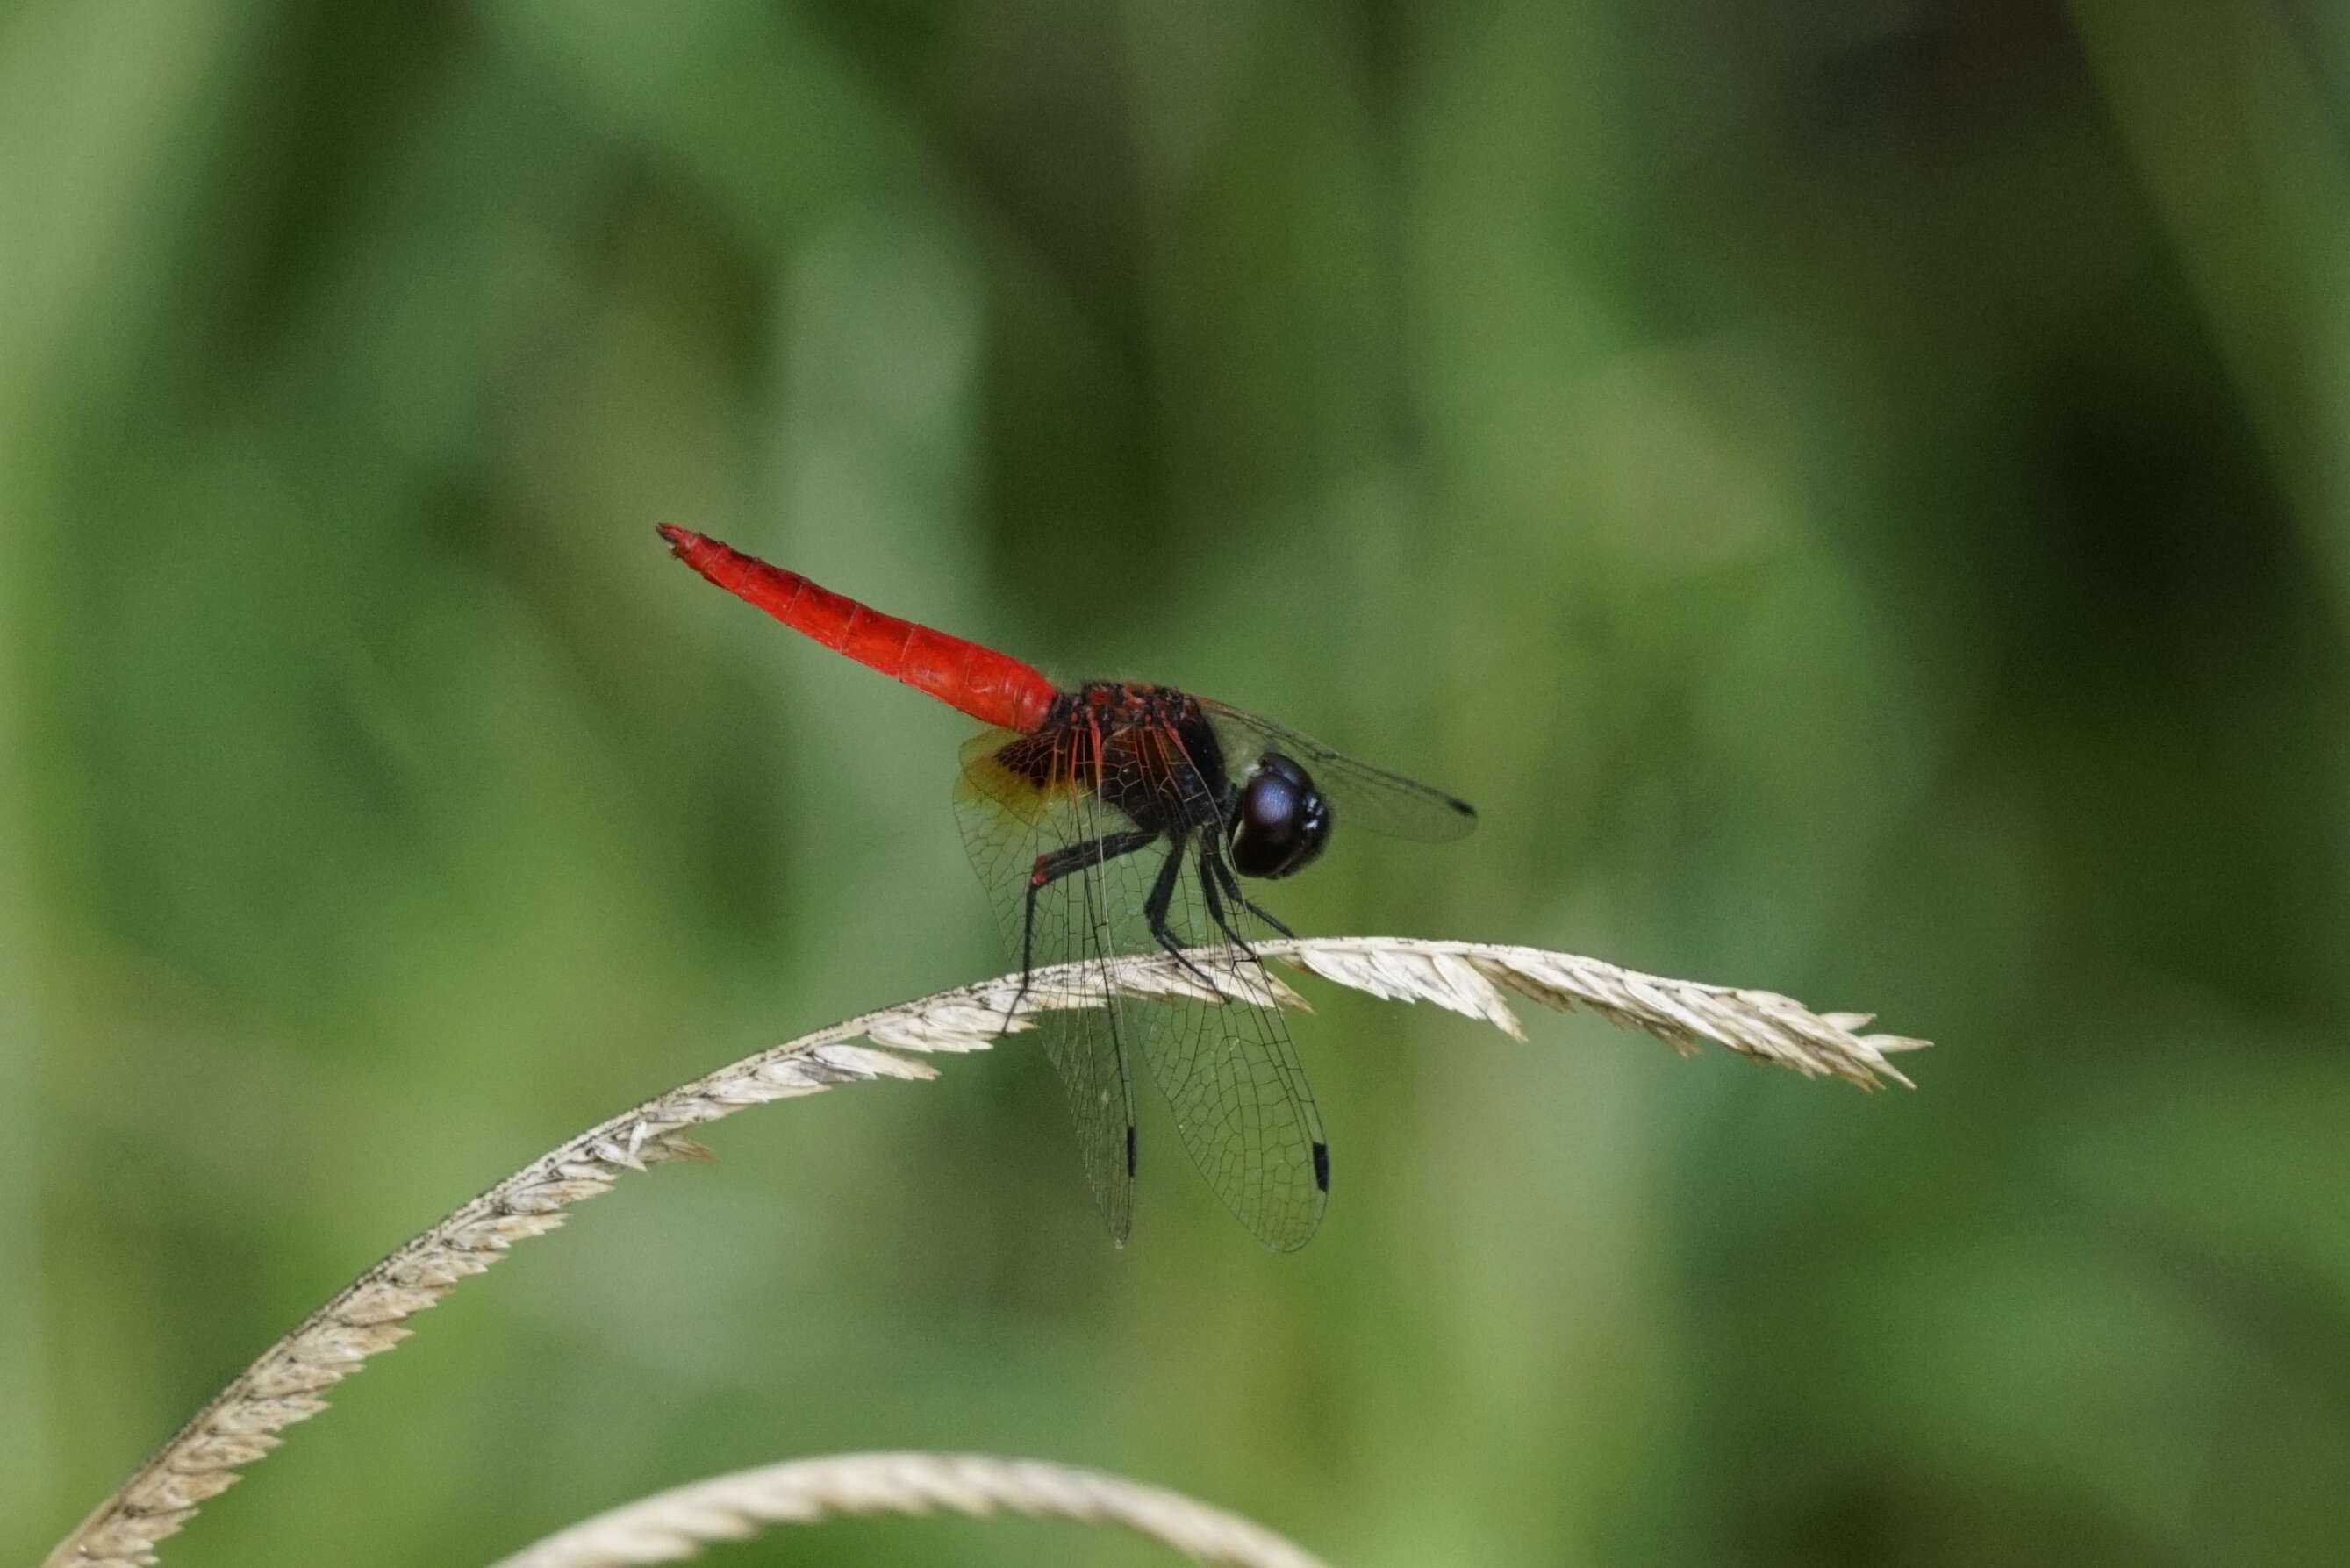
(1281, 821)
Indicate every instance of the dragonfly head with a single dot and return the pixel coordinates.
(1280, 822)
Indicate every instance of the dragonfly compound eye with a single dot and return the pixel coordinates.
(1283, 822)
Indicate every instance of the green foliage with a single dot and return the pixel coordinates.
(1858, 504)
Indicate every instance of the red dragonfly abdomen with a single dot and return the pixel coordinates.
(993, 688)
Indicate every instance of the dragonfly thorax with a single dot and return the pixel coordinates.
(1148, 751)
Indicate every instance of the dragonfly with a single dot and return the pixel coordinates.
(1113, 818)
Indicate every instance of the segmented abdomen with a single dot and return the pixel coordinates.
(993, 688)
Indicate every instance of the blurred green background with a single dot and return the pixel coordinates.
(1859, 495)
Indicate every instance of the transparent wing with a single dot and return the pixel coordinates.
(1232, 1076)
(1008, 822)
(1230, 1072)
(1361, 794)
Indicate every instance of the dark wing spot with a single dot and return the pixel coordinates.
(1129, 1152)
(1322, 1165)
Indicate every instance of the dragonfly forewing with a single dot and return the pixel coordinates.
(1230, 1071)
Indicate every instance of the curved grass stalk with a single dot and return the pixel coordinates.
(671, 1526)
(287, 1383)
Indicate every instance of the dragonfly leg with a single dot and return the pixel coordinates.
(1049, 869)
(1215, 871)
(1208, 881)
(1154, 911)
